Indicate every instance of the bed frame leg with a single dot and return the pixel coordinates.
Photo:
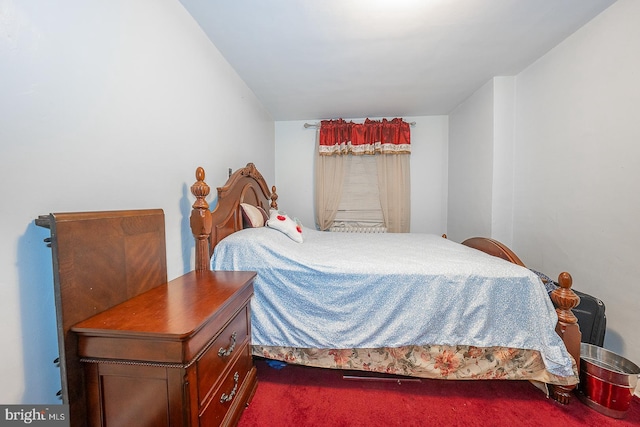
(562, 393)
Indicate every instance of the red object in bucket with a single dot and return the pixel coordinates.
(607, 380)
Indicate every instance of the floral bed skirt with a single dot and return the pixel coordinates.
(428, 361)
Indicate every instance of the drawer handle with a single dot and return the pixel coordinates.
(229, 397)
(224, 352)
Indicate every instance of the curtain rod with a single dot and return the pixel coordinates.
(315, 125)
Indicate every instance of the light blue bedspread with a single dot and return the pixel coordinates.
(349, 290)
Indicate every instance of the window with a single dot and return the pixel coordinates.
(360, 202)
(362, 175)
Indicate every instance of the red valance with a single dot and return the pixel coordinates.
(371, 137)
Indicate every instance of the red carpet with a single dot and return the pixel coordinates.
(302, 396)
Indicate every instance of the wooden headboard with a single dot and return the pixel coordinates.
(245, 185)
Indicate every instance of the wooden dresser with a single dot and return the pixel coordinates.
(177, 355)
(134, 349)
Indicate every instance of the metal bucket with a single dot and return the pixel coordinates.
(607, 380)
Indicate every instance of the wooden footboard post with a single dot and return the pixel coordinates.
(201, 220)
(565, 299)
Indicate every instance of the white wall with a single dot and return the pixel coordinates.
(573, 124)
(481, 163)
(471, 135)
(577, 163)
(504, 89)
(295, 153)
(103, 106)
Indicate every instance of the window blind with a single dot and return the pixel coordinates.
(360, 203)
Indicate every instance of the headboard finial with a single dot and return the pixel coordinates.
(274, 198)
(200, 189)
(200, 174)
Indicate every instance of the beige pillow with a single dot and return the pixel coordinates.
(252, 216)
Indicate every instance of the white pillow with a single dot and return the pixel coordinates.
(281, 222)
(252, 216)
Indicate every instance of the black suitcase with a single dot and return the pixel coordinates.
(590, 313)
(591, 318)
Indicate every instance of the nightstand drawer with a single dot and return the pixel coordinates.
(223, 351)
(230, 391)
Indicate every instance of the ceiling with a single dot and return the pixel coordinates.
(320, 59)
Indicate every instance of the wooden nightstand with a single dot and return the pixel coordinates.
(176, 355)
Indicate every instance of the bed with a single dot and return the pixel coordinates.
(428, 308)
